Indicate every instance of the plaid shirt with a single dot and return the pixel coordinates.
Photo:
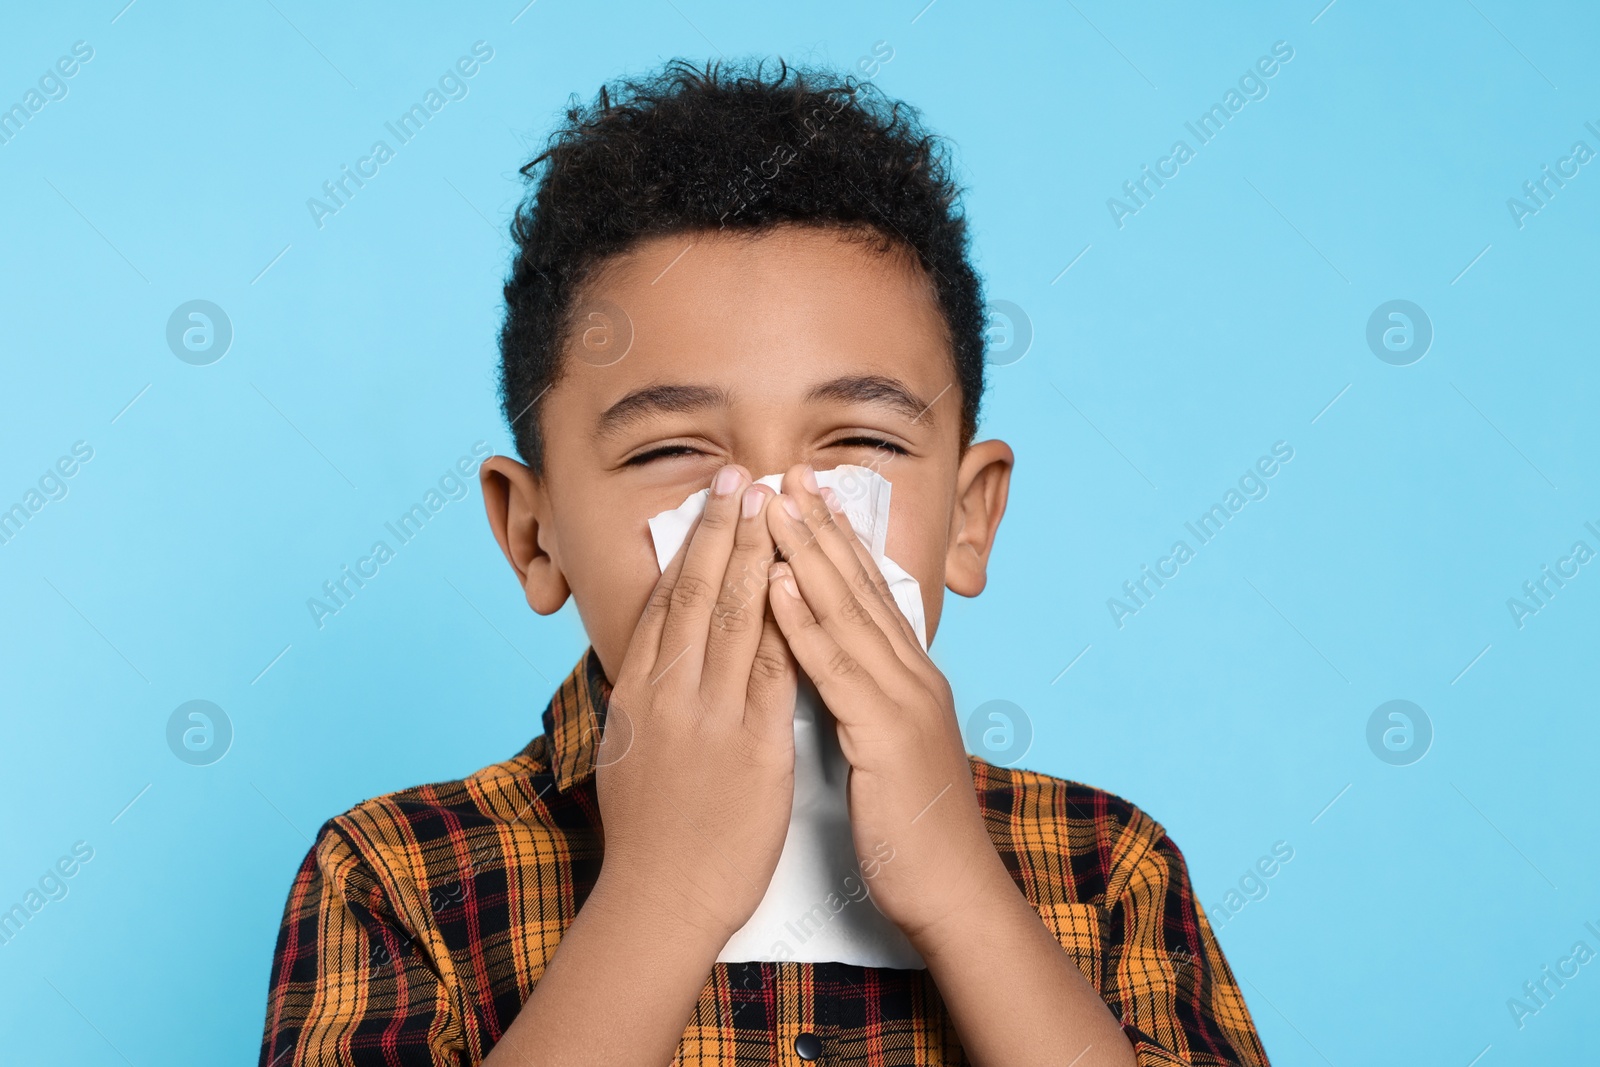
(420, 922)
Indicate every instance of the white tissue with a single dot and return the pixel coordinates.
(817, 908)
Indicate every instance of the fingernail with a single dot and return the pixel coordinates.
(808, 478)
(751, 503)
(791, 507)
(780, 576)
(726, 481)
(831, 498)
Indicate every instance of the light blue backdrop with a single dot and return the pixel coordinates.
(1228, 313)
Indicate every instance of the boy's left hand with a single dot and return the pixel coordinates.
(910, 784)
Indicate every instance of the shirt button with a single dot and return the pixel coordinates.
(808, 1046)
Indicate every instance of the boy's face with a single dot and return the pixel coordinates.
(797, 345)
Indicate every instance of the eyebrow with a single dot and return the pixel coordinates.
(641, 404)
(872, 389)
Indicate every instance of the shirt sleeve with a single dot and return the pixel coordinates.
(1165, 974)
(349, 987)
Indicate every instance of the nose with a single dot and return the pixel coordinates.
(767, 459)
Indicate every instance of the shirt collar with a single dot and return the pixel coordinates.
(573, 720)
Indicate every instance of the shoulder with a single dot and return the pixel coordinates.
(440, 832)
(1078, 843)
(424, 811)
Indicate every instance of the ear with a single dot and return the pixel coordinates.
(982, 482)
(519, 513)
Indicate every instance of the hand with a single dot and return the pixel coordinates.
(910, 783)
(696, 768)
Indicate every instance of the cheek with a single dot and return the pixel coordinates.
(610, 567)
(919, 519)
(918, 529)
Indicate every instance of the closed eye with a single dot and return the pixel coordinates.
(863, 441)
(879, 444)
(663, 452)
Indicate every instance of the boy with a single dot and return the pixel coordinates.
(722, 275)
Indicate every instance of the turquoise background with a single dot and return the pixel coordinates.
(1228, 314)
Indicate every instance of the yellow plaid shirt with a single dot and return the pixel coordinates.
(421, 921)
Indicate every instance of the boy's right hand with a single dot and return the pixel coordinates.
(695, 774)
(695, 769)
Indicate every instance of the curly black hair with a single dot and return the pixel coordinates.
(737, 147)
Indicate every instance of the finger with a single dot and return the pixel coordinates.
(741, 604)
(837, 537)
(846, 686)
(770, 695)
(645, 644)
(832, 602)
(831, 540)
(683, 635)
(870, 572)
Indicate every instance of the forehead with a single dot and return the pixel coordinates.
(770, 312)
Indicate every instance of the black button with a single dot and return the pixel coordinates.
(808, 1046)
